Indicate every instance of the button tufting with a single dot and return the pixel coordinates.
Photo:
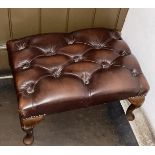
(85, 77)
(70, 41)
(134, 72)
(105, 64)
(97, 44)
(123, 53)
(27, 88)
(50, 52)
(77, 58)
(56, 71)
(21, 45)
(25, 65)
(115, 35)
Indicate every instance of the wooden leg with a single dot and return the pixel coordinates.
(136, 102)
(27, 125)
(28, 138)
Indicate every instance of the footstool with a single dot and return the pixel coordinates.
(57, 72)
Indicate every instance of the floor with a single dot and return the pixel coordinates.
(141, 127)
(100, 125)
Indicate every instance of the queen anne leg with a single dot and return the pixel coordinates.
(27, 125)
(136, 102)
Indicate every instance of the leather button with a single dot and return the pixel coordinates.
(123, 53)
(30, 90)
(77, 58)
(21, 45)
(134, 72)
(27, 88)
(56, 71)
(50, 53)
(85, 77)
(70, 42)
(105, 64)
(25, 65)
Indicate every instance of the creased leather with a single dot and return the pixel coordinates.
(63, 71)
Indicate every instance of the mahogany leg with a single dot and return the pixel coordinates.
(27, 125)
(136, 102)
(28, 138)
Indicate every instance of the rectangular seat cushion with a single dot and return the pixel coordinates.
(62, 71)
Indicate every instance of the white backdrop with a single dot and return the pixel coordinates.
(139, 32)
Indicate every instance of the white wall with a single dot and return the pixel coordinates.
(139, 32)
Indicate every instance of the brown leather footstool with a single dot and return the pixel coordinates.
(64, 71)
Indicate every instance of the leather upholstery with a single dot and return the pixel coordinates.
(63, 71)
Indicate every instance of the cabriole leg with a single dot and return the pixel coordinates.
(136, 102)
(27, 125)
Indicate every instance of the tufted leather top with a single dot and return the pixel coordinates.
(62, 71)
